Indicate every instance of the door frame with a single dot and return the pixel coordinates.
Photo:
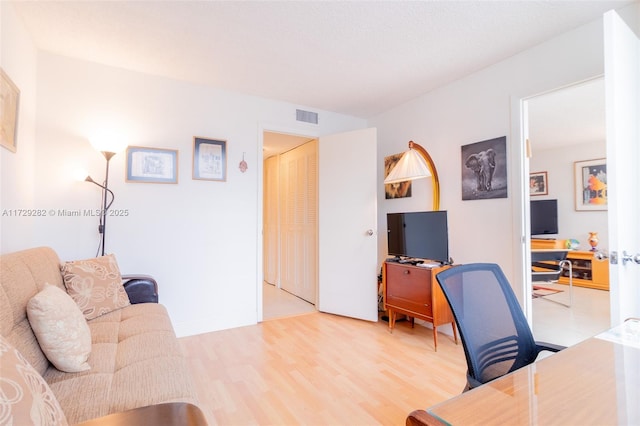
(521, 242)
(524, 205)
(268, 127)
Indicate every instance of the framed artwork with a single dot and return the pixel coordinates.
(152, 165)
(538, 183)
(9, 105)
(484, 169)
(590, 181)
(209, 159)
(398, 189)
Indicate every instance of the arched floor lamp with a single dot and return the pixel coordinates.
(416, 164)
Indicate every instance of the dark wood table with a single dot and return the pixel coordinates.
(168, 414)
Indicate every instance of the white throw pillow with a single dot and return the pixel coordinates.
(26, 397)
(61, 330)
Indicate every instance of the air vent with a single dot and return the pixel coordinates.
(307, 116)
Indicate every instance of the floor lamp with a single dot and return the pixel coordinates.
(416, 164)
(102, 227)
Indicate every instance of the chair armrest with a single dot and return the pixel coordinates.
(422, 418)
(173, 413)
(140, 288)
(544, 346)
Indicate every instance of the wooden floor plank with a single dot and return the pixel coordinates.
(321, 369)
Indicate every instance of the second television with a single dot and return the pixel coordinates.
(419, 235)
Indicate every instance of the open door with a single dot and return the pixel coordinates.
(622, 94)
(347, 225)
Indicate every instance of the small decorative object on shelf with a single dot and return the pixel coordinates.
(572, 244)
(593, 240)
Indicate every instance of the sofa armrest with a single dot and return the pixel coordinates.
(140, 288)
(173, 413)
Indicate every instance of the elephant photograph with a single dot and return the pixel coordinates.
(484, 169)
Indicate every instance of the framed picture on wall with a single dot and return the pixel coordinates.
(484, 169)
(152, 165)
(538, 183)
(9, 104)
(209, 159)
(590, 180)
(398, 189)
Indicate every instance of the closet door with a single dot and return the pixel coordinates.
(271, 237)
(298, 225)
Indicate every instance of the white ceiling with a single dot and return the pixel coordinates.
(358, 58)
(568, 116)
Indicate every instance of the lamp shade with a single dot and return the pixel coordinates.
(411, 166)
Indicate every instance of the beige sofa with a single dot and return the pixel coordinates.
(135, 359)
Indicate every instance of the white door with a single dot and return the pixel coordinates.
(622, 86)
(348, 282)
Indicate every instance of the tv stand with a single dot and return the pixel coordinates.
(413, 291)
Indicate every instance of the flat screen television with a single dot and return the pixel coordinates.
(418, 235)
(544, 217)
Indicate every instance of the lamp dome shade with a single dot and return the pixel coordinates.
(411, 166)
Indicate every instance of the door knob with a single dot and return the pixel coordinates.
(370, 232)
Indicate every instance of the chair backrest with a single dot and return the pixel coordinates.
(494, 331)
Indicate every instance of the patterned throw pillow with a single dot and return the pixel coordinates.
(96, 285)
(26, 397)
(61, 330)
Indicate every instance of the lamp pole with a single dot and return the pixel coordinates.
(434, 173)
(102, 229)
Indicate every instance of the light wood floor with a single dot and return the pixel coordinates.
(277, 303)
(587, 316)
(321, 369)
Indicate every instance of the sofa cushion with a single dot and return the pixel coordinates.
(135, 360)
(26, 397)
(60, 328)
(96, 285)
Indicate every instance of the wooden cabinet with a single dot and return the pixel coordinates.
(587, 271)
(413, 291)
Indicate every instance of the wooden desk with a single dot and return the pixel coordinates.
(595, 382)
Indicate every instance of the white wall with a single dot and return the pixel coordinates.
(473, 109)
(18, 58)
(558, 163)
(198, 238)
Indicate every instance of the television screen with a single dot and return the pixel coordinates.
(420, 235)
(544, 217)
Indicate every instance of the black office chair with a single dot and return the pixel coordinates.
(494, 331)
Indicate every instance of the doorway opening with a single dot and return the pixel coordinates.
(289, 225)
(565, 127)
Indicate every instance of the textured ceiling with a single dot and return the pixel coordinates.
(358, 58)
(568, 116)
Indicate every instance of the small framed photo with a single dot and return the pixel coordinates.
(209, 159)
(538, 183)
(591, 184)
(152, 165)
(9, 105)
